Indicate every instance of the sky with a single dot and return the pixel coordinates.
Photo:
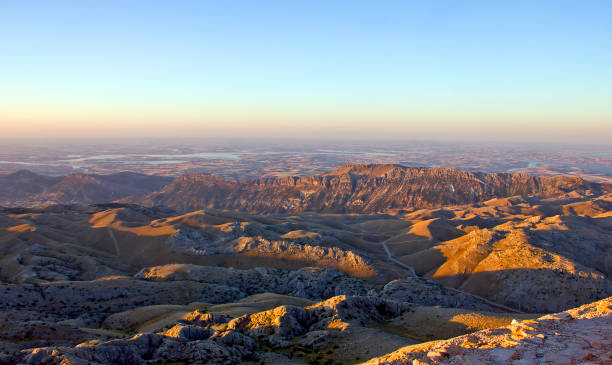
(435, 69)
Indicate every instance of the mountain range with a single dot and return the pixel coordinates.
(368, 263)
(349, 189)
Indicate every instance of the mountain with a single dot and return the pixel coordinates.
(23, 184)
(89, 189)
(349, 189)
(25, 188)
(358, 189)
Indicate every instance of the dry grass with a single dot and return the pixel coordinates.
(258, 303)
(434, 323)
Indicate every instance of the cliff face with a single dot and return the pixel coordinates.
(357, 189)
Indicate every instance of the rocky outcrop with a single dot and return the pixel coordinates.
(237, 341)
(87, 303)
(428, 293)
(336, 257)
(317, 284)
(144, 348)
(309, 282)
(357, 189)
(203, 319)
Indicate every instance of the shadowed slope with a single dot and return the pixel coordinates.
(25, 188)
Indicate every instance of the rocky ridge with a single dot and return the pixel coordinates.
(358, 189)
(317, 284)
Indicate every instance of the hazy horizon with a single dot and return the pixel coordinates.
(506, 71)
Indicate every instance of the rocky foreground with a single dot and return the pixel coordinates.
(582, 335)
(578, 336)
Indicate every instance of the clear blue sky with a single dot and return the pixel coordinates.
(289, 67)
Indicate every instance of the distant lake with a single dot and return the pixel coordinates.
(162, 159)
(30, 163)
(165, 158)
(534, 164)
(151, 162)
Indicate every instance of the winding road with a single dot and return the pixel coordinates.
(112, 236)
(396, 261)
(413, 273)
